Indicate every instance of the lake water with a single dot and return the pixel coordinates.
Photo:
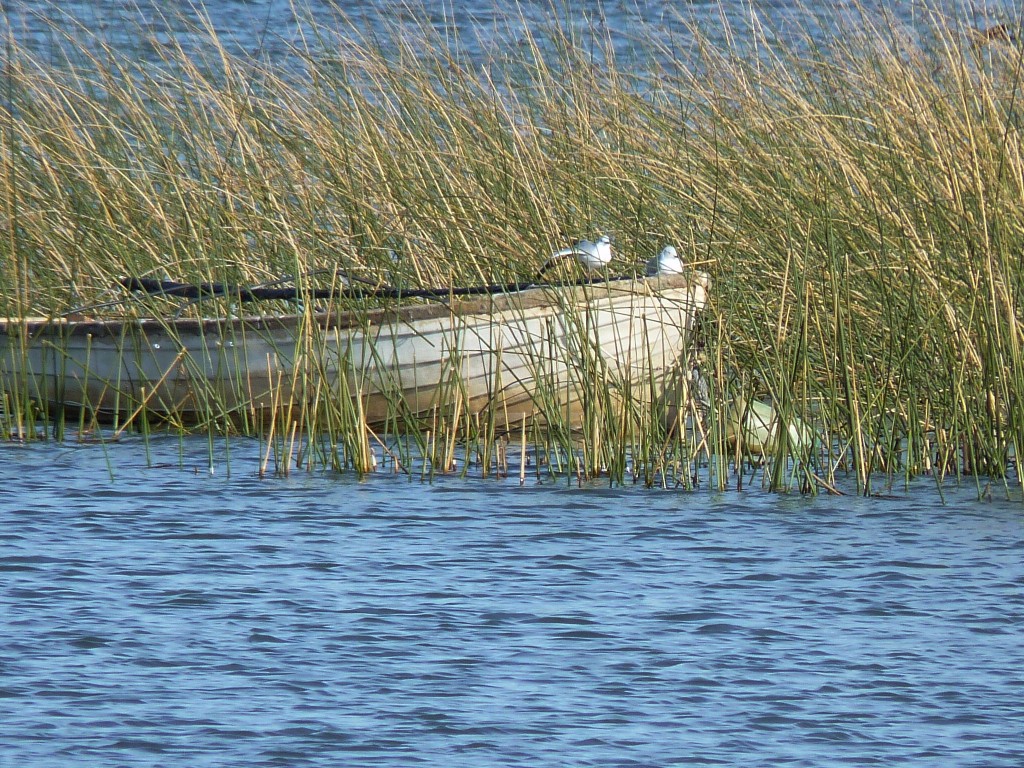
(156, 613)
(153, 613)
(272, 29)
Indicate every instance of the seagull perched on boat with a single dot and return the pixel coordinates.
(666, 263)
(592, 255)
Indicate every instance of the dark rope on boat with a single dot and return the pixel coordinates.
(155, 287)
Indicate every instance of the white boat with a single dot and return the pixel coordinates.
(509, 355)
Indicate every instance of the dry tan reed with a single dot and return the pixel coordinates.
(856, 200)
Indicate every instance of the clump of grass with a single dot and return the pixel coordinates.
(868, 193)
(855, 200)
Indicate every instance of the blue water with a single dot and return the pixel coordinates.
(272, 30)
(155, 614)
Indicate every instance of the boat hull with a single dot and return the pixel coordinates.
(543, 352)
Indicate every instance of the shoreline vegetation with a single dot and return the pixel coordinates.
(856, 201)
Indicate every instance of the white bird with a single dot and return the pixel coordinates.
(666, 263)
(592, 255)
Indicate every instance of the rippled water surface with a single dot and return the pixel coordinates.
(273, 30)
(163, 616)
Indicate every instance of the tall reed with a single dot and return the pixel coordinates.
(855, 200)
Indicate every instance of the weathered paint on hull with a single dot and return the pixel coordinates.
(511, 353)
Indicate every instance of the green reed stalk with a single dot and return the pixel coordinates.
(855, 200)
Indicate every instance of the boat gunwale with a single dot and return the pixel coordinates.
(538, 296)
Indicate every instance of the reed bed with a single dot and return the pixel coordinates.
(855, 200)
